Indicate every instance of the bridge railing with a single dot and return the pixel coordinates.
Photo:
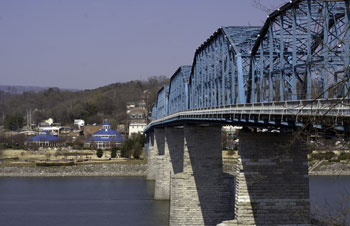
(336, 108)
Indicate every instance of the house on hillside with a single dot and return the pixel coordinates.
(105, 138)
(137, 118)
(79, 124)
(51, 127)
(44, 139)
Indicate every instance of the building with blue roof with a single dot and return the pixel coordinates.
(44, 139)
(105, 138)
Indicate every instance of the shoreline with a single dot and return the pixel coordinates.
(331, 169)
(134, 169)
(78, 170)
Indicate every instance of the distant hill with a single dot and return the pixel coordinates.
(94, 106)
(22, 89)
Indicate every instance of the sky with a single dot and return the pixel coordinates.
(85, 44)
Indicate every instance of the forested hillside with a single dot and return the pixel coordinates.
(108, 102)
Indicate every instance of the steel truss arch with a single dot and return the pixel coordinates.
(302, 52)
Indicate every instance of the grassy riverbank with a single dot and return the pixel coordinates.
(86, 163)
(53, 163)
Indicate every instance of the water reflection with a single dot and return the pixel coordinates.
(330, 199)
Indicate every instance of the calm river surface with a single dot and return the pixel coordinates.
(80, 201)
(103, 201)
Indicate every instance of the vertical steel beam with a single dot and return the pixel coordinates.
(214, 76)
(207, 88)
(227, 75)
(282, 58)
(262, 92)
(294, 57)
(309, 56)
(347, 49)
(325, 50)
(212, 103)
(204, 73)
(192, 88)
(240, 87)
(270, 98)
(217, 77)
(186, 96)
(233, 77)
(198, 83)
(199, 72)
(226, 84)
(202, 79)
(207, 76)
(253, 85)
(222, 71)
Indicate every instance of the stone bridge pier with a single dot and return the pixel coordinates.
(272, 185)
(151, 157)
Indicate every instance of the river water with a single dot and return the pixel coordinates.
(104, 201)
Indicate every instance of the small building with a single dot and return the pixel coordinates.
(136, 127)
(54, 130)
(79, 124)
(137, 119)
(105, 138)
(44, 139)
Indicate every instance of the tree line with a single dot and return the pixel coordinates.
(108, 102)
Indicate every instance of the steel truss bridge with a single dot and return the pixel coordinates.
(292, 72)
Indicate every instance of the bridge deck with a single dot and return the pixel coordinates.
(320, 113)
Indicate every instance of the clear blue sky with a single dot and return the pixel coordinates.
(86, 44)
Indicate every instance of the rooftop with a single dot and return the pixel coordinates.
(43, 137)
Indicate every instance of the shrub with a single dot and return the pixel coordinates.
(230, 152)
(99, 153)
(344, 156)
(139, 142)
(114, 152)
(320, 156)
(127, 148)
(310, 147)
(137, 153)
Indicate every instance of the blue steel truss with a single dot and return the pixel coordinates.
(162, 102)
(302, 52)
(220, 68)
(178, 91)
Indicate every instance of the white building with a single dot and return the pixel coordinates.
(79, 123)
(136, 127)
(53, 130)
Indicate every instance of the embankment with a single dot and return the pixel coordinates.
(100, 169)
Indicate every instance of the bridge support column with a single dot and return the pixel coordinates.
(151, 158)
(175, 142)
(198, 194)
(272, 184)
(162, 184)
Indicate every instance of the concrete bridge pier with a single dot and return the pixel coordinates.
(151, 158)
(162, 185)
(272, 184)
(198, 194)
